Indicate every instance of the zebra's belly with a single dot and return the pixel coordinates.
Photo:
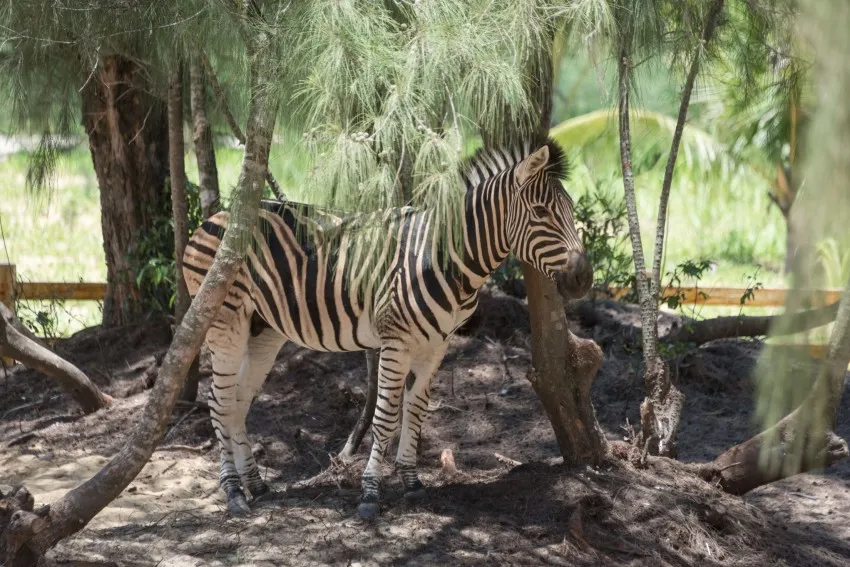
(315, 329)
(324, 328)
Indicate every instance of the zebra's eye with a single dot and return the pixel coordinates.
(540, 211)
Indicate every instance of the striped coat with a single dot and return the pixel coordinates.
(382, 280)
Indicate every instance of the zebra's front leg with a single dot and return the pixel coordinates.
(392, 370)
(417, 396)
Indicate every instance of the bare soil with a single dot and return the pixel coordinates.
(538, 513)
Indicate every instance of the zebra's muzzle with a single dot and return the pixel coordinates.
(577, 278)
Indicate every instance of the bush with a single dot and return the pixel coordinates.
(152, 259)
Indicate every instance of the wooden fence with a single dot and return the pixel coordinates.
(10, 289)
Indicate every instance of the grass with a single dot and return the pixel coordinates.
(55, 236)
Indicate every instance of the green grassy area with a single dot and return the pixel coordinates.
(55, 235)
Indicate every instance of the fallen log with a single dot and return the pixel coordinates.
(19, 343)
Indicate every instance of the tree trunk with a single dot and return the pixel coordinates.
(179, 206)
(74, 510)
(203, 139)
(661, 410)
(127, 130)
(18, 343)
(180, 211)
(563, 365)
(563, 370)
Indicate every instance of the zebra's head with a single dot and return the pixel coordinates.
(540, 222)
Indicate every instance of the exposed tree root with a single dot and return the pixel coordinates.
(18, 343)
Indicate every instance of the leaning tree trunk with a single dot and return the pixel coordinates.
(18, 343)
(563, 366)
(33, 533)
(180, 211)
(203, 139)
(127, 130)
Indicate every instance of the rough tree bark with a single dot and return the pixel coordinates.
(74, 510)
(203, 140)
(127, 130)
(18, 343)
(662, 408)
(563, 366)
(180, 211)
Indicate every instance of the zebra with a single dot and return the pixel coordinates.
(300, 283)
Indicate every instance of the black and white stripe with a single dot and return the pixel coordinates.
(382, 280)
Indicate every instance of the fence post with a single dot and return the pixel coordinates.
(8, 280)
(8, 277)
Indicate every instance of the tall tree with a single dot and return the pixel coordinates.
(127, 129)
(662, 407)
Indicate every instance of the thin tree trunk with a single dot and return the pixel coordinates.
(177, 166)
(17, 343)
(365, 419)
(662, 408)
(203, 139)
(231, 120)
(74, 510)
(127, 130)
(180, 211)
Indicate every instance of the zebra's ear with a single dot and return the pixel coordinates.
(532, 165)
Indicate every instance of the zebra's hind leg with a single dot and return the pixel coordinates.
(392, 370)
(263, 347)
(417, 396)
(227, 340)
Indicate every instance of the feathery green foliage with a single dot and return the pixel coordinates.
(821, 209)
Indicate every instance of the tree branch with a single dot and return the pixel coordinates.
(701, 332)
(231, 120)
(687, 90)
(365, 419)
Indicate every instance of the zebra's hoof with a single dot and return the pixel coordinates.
(368, 510)
(237, 505)
(262, 494)
(413, 495)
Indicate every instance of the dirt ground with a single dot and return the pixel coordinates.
(490, 513)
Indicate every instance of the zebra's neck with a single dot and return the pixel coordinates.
(486, 243)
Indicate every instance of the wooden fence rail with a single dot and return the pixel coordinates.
(10, 289)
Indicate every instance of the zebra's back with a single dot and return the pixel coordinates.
(337, 283)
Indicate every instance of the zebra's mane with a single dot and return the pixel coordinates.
(487, 163)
